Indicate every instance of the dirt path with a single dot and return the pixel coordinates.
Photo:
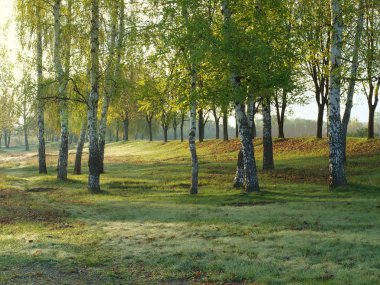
(15, 156)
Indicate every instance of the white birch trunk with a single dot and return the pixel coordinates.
(93, 100)
(353, 75)
(192, 135)
(250, 170)
(336, 165)
(109, 91)
(40, 103)
(62, 83)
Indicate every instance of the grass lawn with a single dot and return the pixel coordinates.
(146, 229)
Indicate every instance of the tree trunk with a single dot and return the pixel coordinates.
(9, 139)
(109, 90)
(201, 125)
(94, 158)
(217, 129)
(371, 123)
(181, 125)
(42, 169)
(150, 130)
(26, 138)
(165, 129)
(117, 130)
(281, 133)
(250, 112)
(78, 156)
(126, 129)
(321, 110)
(250, 170)
(353, 75)
(239, 176)
(280, 110)
(253, 129)
(268, 163)
(192, 134)
(236, 127)
(336, 164)
(62, 83)
(225, 126)
(5, 138)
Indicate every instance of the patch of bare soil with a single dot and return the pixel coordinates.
(18, 206)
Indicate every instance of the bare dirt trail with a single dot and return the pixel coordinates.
(15, 156)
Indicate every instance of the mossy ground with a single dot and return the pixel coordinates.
(145, 228)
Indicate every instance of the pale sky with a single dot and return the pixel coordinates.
(8, 38)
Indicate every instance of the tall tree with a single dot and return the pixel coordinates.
(353, 75)
(110, 79)
(250, 171)
(336, 164)
(371, 63)
(62, 79)
(93, 101)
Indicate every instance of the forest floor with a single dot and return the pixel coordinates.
(145, 228)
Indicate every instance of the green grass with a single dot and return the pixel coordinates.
(145, 229)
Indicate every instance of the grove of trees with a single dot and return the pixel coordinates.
(95, 67)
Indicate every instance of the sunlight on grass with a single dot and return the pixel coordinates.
(145, 228)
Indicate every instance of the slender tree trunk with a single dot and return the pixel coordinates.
(42, 169)
(225, 126)
(280, 110)
(268, 163)
(181, 125)
(62, 83)
(201, 125)
(150, 130)
(236, 127)
(0, 140)
(281, 133)
(321, 110)
(250, 111)
(217, 129)
(26, 141)
(79, 153)
(9, 139)
(109, 90)
(126, 129)
(192, 134)
(117, 130)
(5, 138)
(253, 129)
(94, 158)
(371, 122)
(165, 129)
(336, 165)
(353, 75)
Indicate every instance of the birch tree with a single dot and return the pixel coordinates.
(371, 63)
(62, 79)
(250, 171)
(336, 164)
(93, 101)
(32, 17)
(353, 74)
